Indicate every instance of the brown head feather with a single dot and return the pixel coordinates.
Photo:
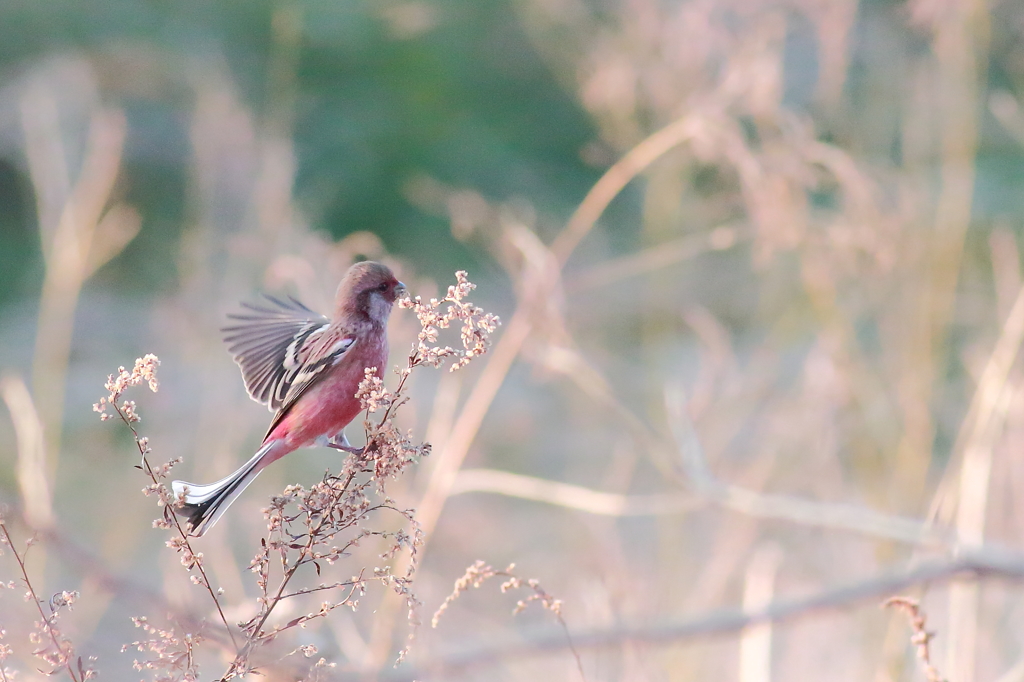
(367, 290)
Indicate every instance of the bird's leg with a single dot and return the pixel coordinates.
(340, 442)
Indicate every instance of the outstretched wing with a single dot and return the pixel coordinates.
(317, 355)
(268, 344)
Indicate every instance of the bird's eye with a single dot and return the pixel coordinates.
(383, 287)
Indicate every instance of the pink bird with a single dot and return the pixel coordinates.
(308, 369)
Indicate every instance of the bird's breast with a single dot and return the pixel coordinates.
(331, 404)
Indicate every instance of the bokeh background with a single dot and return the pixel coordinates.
(758, 263)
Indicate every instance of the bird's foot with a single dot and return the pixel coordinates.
(340, 442)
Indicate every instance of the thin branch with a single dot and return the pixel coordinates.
(617, 177)
(519, 328)
(571, 496)
(654, 258)
(64, 652)
(921, 637)
(177, 522)
(687, 465)
(320, 588)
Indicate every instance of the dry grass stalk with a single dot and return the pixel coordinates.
(81, 230)
(480, 572)
(538, 279)
(144, 372)
(52, 646)
(571, 496)
(920, 637)
(32, 470)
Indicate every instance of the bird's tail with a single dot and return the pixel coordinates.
(205, 503)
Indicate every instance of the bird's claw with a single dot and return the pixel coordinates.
(340, 442)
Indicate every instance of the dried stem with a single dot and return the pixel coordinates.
(479, 572)
(921, 637)
(65, 652)
(182, 534)
(145, 372)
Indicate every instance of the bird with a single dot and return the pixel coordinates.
(305, 368)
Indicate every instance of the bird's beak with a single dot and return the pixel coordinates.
(401, 291)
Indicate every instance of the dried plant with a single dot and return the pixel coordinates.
(477, 326)
(51, 645)
(164, 641)
(171, 655)
(920, 638)
(5, 651)
(479, 572)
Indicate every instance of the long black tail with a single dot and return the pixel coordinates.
(204, 504)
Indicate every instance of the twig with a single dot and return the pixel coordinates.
(480, 571)
(654, 258)
(519, 328)
(617, 177)
(921, 637)
(66, 653)
(145, 371)
(571, 496)
(148, 469)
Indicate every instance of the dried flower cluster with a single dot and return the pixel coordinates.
(171, 654)
(480, 571)
(51, 646)
(316, 528)
(143, 371)
(477, 325)
(5, 651)
(371, 393)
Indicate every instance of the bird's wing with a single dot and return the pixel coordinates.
(269, 344)
(315, 356)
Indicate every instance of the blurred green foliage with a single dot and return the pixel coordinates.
(457, 94)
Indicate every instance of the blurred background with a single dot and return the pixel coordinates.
(758, 263)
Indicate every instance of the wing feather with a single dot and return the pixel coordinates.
(266, 343)
(315, 357)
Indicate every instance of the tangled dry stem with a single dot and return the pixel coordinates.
(476, 325)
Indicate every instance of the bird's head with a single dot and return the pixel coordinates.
(370, 289)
